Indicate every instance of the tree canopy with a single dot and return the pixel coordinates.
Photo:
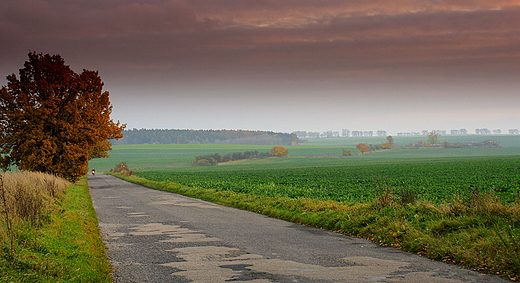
(279, 151)
(54, 120)
(362, 147)
(433, 138)
(171, 136)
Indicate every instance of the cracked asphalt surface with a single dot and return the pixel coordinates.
(155, 236)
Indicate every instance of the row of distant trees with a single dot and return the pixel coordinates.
(170, 136)
(345, 133)
(370, 147)
(457, 132)
(215, 159)
(433, 141)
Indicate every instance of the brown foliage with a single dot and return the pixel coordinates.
(122, 169)
(386, 145)
(54, 120)
(279, 151)
(362, 147)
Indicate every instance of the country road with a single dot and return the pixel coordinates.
(156, 236)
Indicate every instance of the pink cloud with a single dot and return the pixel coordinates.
(265, 37)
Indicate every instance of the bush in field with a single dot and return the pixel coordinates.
(433, 138)
(362, 147)
(279, 151)
(205, 160)
(386, 145)
(215, 158)
(123, 169)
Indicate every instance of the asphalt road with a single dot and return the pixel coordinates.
(155, 236)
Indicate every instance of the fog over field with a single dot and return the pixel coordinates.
(398, 66)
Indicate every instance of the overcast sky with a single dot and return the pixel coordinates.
(284, 65)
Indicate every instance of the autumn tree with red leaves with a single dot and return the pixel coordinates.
(362, 147)
(54, 120)
(279, 151)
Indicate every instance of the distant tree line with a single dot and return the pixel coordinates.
(345, 133)
(371, 147)
(215, 158)
(157, 136)
(488, 143)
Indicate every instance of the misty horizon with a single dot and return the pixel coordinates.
(356, 133)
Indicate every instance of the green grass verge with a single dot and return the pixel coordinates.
(67, 248)
(483, 234)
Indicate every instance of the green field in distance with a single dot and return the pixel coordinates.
(320, 152)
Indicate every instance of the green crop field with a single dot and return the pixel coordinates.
(431, 179)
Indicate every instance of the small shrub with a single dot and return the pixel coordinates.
(362, 147)
(122, 168)
(279, 151)
(408, 196)
(204, 162)
(385, 196)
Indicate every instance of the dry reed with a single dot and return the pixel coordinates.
(26, 197)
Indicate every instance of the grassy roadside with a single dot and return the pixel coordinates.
(480, 233)
(65, 247)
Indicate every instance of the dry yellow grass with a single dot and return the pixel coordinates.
(27, 195)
